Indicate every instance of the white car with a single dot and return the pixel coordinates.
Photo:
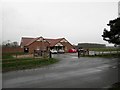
(53, 51)
(61, 51)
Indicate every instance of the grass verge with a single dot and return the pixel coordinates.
(26, 63)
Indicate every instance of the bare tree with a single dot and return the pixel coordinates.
(8, 43)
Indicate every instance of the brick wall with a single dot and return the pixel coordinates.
(38, 45)
(12, 49)
(67, 46)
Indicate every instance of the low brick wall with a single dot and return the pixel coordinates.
(24, 56)
(12, 49)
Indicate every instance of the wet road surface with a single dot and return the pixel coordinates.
(69, 72)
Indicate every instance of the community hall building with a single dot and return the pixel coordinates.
(30, 44)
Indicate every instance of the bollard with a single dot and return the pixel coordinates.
(41, 53)
(50, 54)
(78, 53)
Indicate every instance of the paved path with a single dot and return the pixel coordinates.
(69, 72)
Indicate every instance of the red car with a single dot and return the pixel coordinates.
(72, 50)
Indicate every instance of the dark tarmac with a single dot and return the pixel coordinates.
(69, 72)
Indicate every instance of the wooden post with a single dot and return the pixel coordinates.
(41, 53)
(87, 52)
(102, 52)
(94, 53)
(78, 53)
(15, 48)
(50, 54)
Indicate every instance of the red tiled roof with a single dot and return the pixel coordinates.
(53, 42)
(27, 41)
(33, 40)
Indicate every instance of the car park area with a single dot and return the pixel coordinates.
(69, 72)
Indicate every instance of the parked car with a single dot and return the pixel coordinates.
(53, 51)
(61, 51)
(72, 50)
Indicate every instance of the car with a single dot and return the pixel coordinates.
(72, 50)
(53, 51)
(61, 51)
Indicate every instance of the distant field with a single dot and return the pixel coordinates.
(104, 49)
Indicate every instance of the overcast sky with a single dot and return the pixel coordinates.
(78, 22)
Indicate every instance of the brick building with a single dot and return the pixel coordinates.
(60, 43)
(31, 44)
(40, 43)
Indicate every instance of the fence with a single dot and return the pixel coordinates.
(102, 52)
(12, 50)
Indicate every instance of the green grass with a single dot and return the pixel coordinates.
(6, 56)
(26, 63)
(9, 63)
(9, 55)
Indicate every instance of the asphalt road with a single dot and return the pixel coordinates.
(69, 72)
